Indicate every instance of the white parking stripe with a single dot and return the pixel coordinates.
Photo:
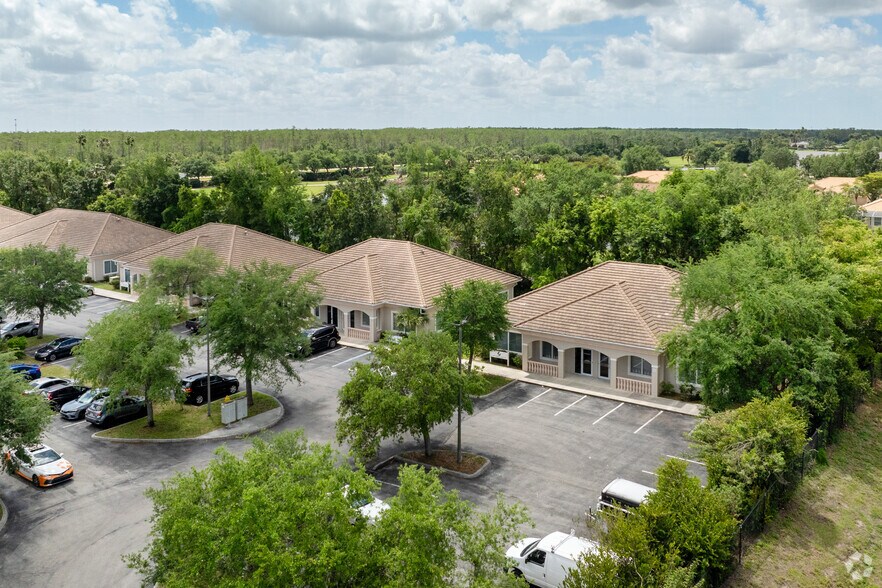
(650, 473)
(547, 390)
(101, 304)
(351, 359)
(607, 414)
(74, 424)
(323, 355)
(684, 459)
(649, 421)
(574, 403)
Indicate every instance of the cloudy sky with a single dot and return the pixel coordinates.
(246, 64)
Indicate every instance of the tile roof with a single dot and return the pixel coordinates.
(235, 246)
(833, 184)
(874, 206)
(10, 216)
(90, 233)
(387, 271)
(615, 302)
(650, 176)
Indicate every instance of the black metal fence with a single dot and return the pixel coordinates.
(779, 489)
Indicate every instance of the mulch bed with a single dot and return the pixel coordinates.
(445, 458)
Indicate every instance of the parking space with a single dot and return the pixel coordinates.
(554, 450)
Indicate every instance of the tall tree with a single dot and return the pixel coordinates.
(37, 279)
(641, 157)
(186, 274)
(152, 186)
(406, 389)
(132, 350)
(23, 417)
(478, 307)
(254, 319)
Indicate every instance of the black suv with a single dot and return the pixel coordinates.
(61, 347)
(323, 337)
(61, 394)
(195, 387)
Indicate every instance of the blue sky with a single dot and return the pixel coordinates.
(243, 64)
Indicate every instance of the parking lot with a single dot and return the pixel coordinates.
(555, 450)
(551, 450)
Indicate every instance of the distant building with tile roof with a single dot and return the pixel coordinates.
(234, 246)
(604, 323)
(367, 285)
(872, 214)
(99, 237)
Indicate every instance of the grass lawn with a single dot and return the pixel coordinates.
(836, 512)
(102, 286)
(174, 421)
(313, 188)
(491, 382)
(675, 162)
(34, 342)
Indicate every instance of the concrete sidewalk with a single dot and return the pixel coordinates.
(247, 426)
(587, 388)
(115, 294)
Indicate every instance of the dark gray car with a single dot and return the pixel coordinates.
(19, 329)
(105, 410)
(76, 409)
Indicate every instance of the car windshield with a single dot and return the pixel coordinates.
(55, 342)
(310, 332)
(45, 456)
(529, 547)
(88, 396)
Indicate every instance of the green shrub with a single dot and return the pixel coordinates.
(17, 345)
(88, 279)
(516, 361)
(667, 389)
(114, 281)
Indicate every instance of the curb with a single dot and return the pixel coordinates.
(234, 435)
(501, 389)
(445, 470)
(637, 401)
(3, 516)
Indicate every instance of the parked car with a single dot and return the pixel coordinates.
(194, 324)
(195, 386)
(623, 495)
(19, 329)
(61, 394)
(75, 409)
(546, 562)
(105, 410)
(368, 506)
(47, 467)
(41, 384)
(57, 348)
(88, 291)
(28, 371)
(323, 337)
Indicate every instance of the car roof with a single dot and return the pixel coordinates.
(628, 491)
(566, 545)
(58, 386)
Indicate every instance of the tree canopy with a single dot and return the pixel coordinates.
(479, 307)
(286, 514)
(186, 274)
(36, 279)
(132, 350)
(406, 389)
(255, 320)
(23, 417)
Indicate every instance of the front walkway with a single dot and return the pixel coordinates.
(592, 387)
(115, 294)
(581, 386)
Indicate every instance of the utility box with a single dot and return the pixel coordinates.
(228, 412)
(241, 408)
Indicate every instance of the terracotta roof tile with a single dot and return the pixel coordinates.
(833, 184)
(874, 206)
(234, 246)
(90, 233)
(10, 216)
(387, 271)
(617, 302)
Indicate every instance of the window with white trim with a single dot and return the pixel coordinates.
(640, 367)
(548, 351)
(877, 221)
(110, 267)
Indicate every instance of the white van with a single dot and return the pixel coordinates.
(623, 495)
(546, 562)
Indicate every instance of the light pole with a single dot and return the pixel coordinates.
(459, 399)
(208, 364)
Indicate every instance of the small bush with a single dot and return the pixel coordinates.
(88, 279)
(516, 361)
(17, 345)
(114, 281)
(689, 392)
(667, 389)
